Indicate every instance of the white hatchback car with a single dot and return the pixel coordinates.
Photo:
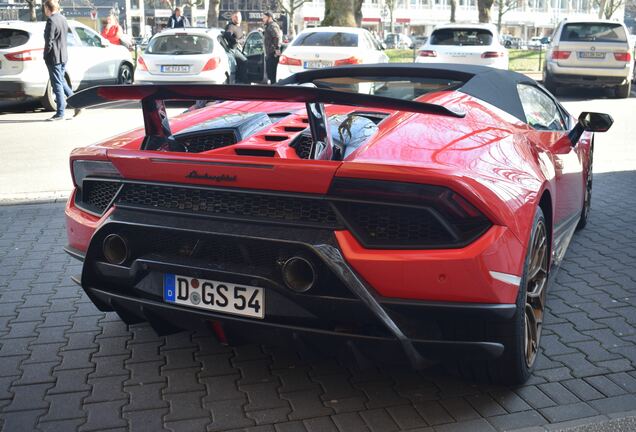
(190, 55)
(92, 60)
(590, 53)
(320, 47)
(475, 44)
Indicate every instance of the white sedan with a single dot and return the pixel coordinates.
(321, 47)
(190, 55)
(476, 44)
(92, 60)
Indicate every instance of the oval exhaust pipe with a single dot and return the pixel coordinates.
(115, 249)
(298, 274)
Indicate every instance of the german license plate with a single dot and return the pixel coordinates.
(175, 68)
(214, 295)
(317, 64)
(591, 54)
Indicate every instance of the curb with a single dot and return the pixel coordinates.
(34, 198)
(578, 424)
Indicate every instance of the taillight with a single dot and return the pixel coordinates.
(623, 56)
(26, 55)
(81, 169)
(492, 54)
(348, 61)
(141, 64)
(289, 61)
(212, 64)
(560, 55)
(426, 53)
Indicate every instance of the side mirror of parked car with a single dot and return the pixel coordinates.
(590, 122)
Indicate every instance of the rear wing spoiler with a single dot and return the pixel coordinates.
(158, 134)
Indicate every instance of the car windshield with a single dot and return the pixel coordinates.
(394, 87)
(461, 36)
(328, 39)
(11, 38)
(594, 32)
(180, 44)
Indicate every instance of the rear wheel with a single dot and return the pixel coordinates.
(548, 82)
(48, 100)
(125, 75)
(623, 91)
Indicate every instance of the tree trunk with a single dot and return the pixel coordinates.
(601, 9)
(453, 8)
(340, 13)
(392, 24)
(32, 11)
(484, 7)
(500, 14)
(213, 13)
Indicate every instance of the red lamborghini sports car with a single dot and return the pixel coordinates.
(408, 212)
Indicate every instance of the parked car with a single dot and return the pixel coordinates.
(475, 44)
(190, 55)
(322, 47)
(419, 40)
(590, 53)
(535, 43)
(398, 41)
(416, 223)
(91, 60)
(511, 42)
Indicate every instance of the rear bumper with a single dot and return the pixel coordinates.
(588, 77)
(18, 90)
(341, 306)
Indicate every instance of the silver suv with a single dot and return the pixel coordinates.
(590, 53)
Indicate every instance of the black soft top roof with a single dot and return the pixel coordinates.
(495, 86)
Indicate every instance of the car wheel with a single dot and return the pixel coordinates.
(548, 83)
(125, 75)
(48, 100)
(587, 200)
(624, 90)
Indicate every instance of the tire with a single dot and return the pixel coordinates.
(517, 362)
(48, 100)
(587, 200)
(623, 91)
(548, 83)
(125, 74)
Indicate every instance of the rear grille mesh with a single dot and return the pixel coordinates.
(97, 195)
(206, 142)
(282, 209)
(302, 145)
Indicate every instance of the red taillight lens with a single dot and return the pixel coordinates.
(560, 55)
(26, 55)
(141, 64)
(492, 54)
(212, 64)
(289, 61)
(623, 56)
(426, 53)
(348, 61)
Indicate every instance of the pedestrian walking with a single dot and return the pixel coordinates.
(113, 31)
(56, 56)
(235, 38)
(177, 20)
(273, 37)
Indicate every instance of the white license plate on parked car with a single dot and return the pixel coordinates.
(214, 295)
(175, 68)
(591, 54)
(317, 64)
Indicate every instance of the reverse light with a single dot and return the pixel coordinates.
(426, 53)
(623, 56)
(88, 168)
(560, 55)
(289, 61)
(26, 55)
(141, 64)
(492, 54)
(211, 64)
(348, 61)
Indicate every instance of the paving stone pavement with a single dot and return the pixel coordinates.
(65, 366)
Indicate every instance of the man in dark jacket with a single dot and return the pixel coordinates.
(56, 56)
(235, 38)
(177, 20)
(272, 39)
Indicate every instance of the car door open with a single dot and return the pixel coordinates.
(254, 50)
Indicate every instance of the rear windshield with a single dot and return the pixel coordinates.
(465, 36)
(329, 39)
(406, 88)
(10, 38)
(180, 44)
(594, 32)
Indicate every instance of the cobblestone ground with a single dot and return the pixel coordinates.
(65, 366)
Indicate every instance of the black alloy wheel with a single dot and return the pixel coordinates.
(125, 75)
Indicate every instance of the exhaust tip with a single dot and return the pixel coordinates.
(298, 274)
(115, 249)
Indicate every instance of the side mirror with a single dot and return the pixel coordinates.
(590, 122)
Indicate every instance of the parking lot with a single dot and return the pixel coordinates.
(66, 366)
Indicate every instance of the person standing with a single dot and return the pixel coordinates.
(177, 20)
(235, 38)
(272, 40)
(56, 56)
(113, 31)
